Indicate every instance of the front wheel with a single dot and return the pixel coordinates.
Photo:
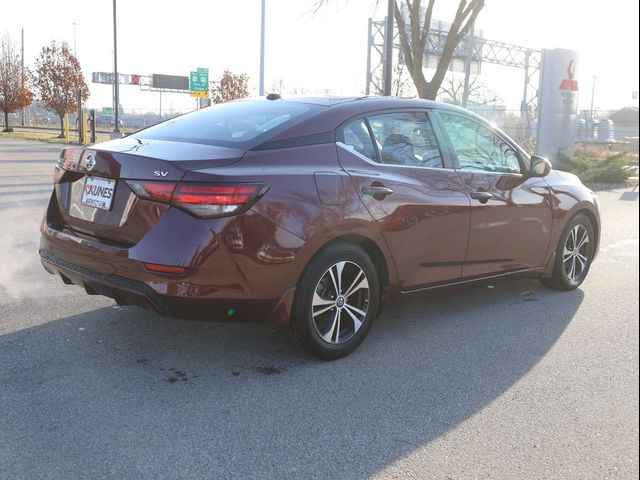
(336, 301)
(573, 255)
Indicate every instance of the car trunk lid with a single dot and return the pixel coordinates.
(95, 199)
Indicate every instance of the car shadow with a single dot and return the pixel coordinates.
(122, 393)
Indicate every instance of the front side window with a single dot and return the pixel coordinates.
(406, 138)
(478, 147)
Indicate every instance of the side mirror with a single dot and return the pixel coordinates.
(539, 167)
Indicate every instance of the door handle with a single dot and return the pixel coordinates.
(376, 191)
(482, 197)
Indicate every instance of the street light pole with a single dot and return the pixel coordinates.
(80, 120)
(116, 78)
(262, 25)
(75, 52)
(388, 48)
(593, 93)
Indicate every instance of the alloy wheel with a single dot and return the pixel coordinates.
(575, 256)
(340, 302)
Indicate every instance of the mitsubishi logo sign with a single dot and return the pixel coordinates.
(570, 83)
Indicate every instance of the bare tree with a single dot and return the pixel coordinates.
(281, 87)
(477, 93)
(415, 34)
(13, 95)
(58, 80)
(231, 87)
(402, 82)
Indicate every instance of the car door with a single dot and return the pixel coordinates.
(510, 212)
(407, 184)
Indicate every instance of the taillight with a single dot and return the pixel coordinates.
(70, 158)
(205, 200)
(158, 191)
(215, 200)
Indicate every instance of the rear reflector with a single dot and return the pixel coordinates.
(155, 267)
(204, 200)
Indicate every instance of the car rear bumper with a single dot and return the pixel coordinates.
(126, 291)
(225, 279)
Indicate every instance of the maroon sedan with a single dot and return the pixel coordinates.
(311, 213)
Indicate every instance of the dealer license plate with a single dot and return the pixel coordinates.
(98, 192)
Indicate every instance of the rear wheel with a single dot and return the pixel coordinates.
(573, 255)
(336, 301)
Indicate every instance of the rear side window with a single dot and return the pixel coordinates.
(356, 136)
(478, 147)
(234, 124)
(406, 138)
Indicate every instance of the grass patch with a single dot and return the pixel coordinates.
(49, 137)
(40, 136)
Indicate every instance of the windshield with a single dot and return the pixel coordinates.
(234, 124)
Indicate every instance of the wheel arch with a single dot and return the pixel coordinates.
(584, 208)
(595, 223)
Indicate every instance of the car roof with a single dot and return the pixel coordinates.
(365, 101)
(339, 109)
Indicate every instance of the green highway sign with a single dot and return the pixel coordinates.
(199, 80)
(109, 111)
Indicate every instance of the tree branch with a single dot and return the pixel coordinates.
(426, 23)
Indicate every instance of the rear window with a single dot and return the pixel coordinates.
(234, 124)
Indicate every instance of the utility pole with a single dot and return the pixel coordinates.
(22, 78)
(116, 78)
(388, 48)
(262, 25)
(471, 40)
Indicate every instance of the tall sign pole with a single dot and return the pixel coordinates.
(262, 25)
(388, 48)
(116, 78)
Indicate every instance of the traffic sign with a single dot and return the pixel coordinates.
(109, 111)
(199, 80)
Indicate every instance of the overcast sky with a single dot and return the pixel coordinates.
(325, 51)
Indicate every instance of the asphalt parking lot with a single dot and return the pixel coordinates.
(504, 380)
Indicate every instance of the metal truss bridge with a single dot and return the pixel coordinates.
(473, 48)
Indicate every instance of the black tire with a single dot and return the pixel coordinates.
(563, 277)
(326, 328)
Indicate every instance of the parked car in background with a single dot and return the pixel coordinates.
(312, 213)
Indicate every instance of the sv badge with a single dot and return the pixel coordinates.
(160, 173)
